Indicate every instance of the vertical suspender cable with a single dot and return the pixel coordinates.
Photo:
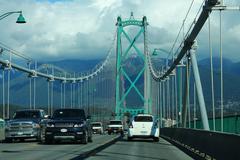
(211, 70)
(52, 93)
(30, 88)
(61, 85)
(176, 98)
(51, 106)
(34, 88)
(71, 96)
(78, 95)
(8, 89)
(64, 95)
(221, 66)
(163, 89)
(188, 98)
(3, 92)
(48, 95)
(161, 102)
(194, 105)
(168, 98)
(88, 97)
(173, 99)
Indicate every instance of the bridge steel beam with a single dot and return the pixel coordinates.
(207, 8)
(121, 73)
(199, 87)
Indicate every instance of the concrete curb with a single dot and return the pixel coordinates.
(98, 148)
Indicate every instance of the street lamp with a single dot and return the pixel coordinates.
(20, 19)
(159, 49)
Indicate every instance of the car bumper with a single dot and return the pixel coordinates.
(99, 131)
(65, 133)
(34, 133)
(115, 130)
(142, 133)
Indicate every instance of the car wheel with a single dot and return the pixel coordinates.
(21, 139)
(85, 139)
(9, 140)
(90, 139)
(129, 138)
(41, 138)
(156, 139)
(48, 140)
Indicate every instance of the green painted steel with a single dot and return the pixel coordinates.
(231, 124)
(121, 74)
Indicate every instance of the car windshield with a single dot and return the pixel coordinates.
(116, 122)
(26, 114)
(69, 114)
(96, 124)
(143, 119)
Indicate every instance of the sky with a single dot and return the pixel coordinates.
(85, 29)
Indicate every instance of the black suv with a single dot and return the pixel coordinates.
(68, 124)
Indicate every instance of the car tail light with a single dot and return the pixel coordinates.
(130, 125)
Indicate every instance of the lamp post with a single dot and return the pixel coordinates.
(20, 18)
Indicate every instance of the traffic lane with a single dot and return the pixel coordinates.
(141, 149)
(30, 150)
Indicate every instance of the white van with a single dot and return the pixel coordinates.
(143, 126)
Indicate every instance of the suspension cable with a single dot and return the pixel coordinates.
(97, 69)
(211, 70)
(3, 92)
(221, 66)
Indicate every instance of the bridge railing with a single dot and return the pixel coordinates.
(202, 144)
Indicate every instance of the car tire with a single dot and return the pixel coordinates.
(21, 139)
(8, 140)
(85, 139)
(156, 139)
(90, 139)
(129, 138)
(48, 140)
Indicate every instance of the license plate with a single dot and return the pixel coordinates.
(143, 132)
(63, 130)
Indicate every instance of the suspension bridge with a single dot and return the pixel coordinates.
(134, 78)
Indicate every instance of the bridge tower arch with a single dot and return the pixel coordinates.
(121, 73)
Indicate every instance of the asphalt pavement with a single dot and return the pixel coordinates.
(141, 149)
(32, 150)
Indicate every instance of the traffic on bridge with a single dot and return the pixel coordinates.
(88, 80)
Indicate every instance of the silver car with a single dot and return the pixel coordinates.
(24, 125)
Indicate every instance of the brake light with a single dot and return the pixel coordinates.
(130, 125)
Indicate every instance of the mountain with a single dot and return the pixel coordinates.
(19, 88)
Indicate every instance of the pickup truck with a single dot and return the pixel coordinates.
(115, 126)
(25, 124)
(67, 124)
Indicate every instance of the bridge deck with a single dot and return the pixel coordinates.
(141, 149)
(31, 150)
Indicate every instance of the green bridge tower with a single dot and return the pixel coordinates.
(121, 73)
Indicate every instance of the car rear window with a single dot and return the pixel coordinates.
(116, 122)
(96, 124)
(143, 119)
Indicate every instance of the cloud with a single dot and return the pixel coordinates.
(65, 29)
